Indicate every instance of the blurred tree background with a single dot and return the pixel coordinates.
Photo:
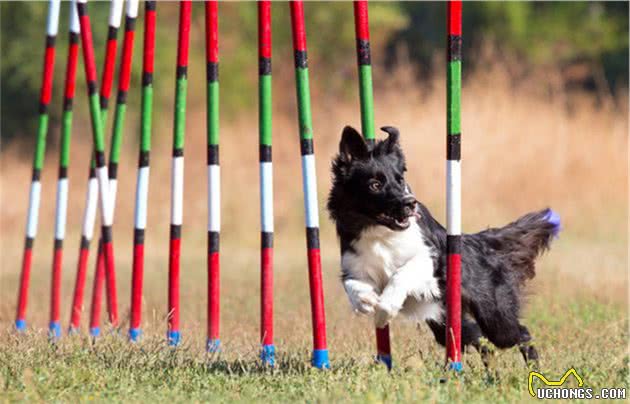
(587, 42)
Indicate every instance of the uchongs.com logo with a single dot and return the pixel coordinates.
(554, 389)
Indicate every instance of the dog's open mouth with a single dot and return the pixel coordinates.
(393, 222)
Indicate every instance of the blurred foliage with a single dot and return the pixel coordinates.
(540, 34)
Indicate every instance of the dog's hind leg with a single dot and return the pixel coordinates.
(471, 336)
(529, 352)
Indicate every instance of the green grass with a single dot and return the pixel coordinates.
(589, 336)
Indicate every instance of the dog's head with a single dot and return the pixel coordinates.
(369, 186)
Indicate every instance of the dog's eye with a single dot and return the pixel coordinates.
(375, 185)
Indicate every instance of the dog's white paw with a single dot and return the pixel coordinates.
(364, 302)
(384, 313)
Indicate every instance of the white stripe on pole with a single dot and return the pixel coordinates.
(33, 209)
(177, 190)
(75, 26)
(52, 24)
(142, 195)
(115, 13)
(266, 197)
(91, 203)
(113, 188)
(62, 208)
(309, 182)
(132, 8)
(103, 185)
(453, 197)
(214, 197)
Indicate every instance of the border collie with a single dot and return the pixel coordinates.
(393, 252)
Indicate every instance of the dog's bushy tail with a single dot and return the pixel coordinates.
(523, 240)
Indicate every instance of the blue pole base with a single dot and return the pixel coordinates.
(173, 338)
(268, 355)
(213, 345)
(320, 359)
(73, 331)
(385, 359)
(20, 325)
(95, 331)
(54, 330)
(455, 366)
(134, 334)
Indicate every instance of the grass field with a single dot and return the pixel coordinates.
(573, 159)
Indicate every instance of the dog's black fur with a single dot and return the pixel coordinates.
(495, 262)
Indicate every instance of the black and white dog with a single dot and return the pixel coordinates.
(393, 252)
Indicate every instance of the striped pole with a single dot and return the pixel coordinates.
(38, 162)
(99, 152)
(268, 349)
(177, 173)
(214, 176)
(320, 350)
(62, 182)
(453, 185)
(142, 184)
(362, 29)
(107, 78)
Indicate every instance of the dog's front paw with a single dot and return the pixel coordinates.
(364, 302)
(384, 313)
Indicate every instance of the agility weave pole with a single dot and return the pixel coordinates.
(177, 173)
(320, 350)
(267, 354)
(453, 185)
(52, 26)
(213, 342)
(142, 183)
(364, 61)
(61, 209)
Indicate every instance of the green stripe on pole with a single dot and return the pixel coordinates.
(264, 97)
(367, 101)
(453, 96)
(40, 147)
(147, 112)
(180, 113)
(304, 103)
(103, 118)
(119, 124)
(66, 133)
(97, 127)
(213, 113)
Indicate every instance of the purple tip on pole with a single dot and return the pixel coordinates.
(554, 218)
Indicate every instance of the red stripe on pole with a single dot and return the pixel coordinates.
(173, 285)
(79, 286)
(297, 26)
(97, 289)
(110, 276)
(71, 71)
(27, 260)
(88, 49)
(125, 64)
(47, 76)
(212, 36)
(361, 23)
(453, 308)
(184, 33)
(55, 285)
(264, 29)
(383, 346)
(108, 68)
(214, 290)
(266, 296)
(454, 11)
(136, 285)
(149, 41)
(317, 298)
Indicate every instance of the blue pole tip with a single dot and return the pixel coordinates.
(554, 218)
(456, 366)
(20, 325)
(213, 345)
(268, 355)
(95, 331)
(385, 359)
(173, 338)
(54, 330)
(134, 334)
(320, 359)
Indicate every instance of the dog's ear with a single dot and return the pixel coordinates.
(352, 146)
(391, 143)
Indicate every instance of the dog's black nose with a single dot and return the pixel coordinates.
(409, 203)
